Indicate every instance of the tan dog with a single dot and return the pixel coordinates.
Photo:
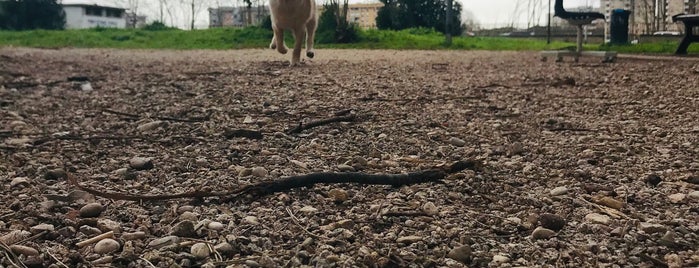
(299, 16)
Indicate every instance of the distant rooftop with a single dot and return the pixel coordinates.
(102, 3)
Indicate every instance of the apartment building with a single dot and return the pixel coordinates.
(364, 14)
(237, 16)
(649, 16)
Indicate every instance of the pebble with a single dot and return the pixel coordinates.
(141, 163)
(55, 174)
(259, 172)
(224, 248)
(694, 195)
(299, 164)
(107, 245)
(24, 250)
(184, 229)
(552, 221)
(559, 191)
(651, 228)
(106, 225)
(653, 179)
(41, 227)
(610, 202)
(133, 236)
(543, 233)
(216, 226)
(19, 181)
(693, 179)
(345, 168)
(409, 239)
(338, 195)
(500, 259)
(308, 209)
(668, 239)
(164, 241)
(87, 86)
(430, 208)
(189, 216)
(200, 250)
(244, 172)
(91, 210)
(597, 218)
(103, 261)
(461, 254)
(150, 126)
(252, 220)
(457, 142)
(677, 198)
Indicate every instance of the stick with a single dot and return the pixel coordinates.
(312, 124)
(95, 239)
(166, 118)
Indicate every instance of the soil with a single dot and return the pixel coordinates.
(584, 164)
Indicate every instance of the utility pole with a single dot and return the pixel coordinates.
(448, 23)
(548, 25)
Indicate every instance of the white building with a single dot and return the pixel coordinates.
(81, 14)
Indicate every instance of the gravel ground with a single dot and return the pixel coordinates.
(582, 164)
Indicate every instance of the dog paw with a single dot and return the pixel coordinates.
(282, 50)
(310, 54)
(273, 46)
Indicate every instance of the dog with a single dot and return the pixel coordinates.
(299, 16)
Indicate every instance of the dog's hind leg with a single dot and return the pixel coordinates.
(310, 34)
(299, 33)
(278, 40)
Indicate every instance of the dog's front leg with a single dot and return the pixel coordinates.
(299, 34)
(278, 40)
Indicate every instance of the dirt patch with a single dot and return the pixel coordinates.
(604, 156)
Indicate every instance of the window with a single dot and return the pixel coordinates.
(114, 13)
(93, 11)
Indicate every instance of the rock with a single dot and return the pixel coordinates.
(500, 259)
(668, 239)
(308, 209)
(89, 230)
(19, 181)
(677, 198)
(14, 236)
(24, 250)
(694, 195)
(244, 172)
(457, 142)
(409, 239)
(651, 228)
(87, 86)
(189, 216)
(543, 233)
(252, 220)
(461, 254)
(653, 179)
(216, 226)
(106, 225)
(41, 227)
(693, 179)
(559, 191)
(345, 168)
(150, 126)
(224, 248)
(673, 260)
(597, 218)
(18, 141)
(259, 172)
(107, 245)
(430, 208)
(141, 163)
(200, 250)
(55, 174)
(91, 210)
(346, 224)
(299, 164)
(164, 241)
(338, 195)
(610, 202)
(103, 261)
(552, 221)
(184, 229)
(514, 220)
(133, 236)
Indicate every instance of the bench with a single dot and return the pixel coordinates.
(690, 21)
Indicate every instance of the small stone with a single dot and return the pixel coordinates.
(308, 209)
(55, 174)
(252, 220)
(338, 195)
(18, 141)
(543, 233)
(184, 229)
(133, 236)
(141, 163)
(651, 228)
(552, 221)
(107, 245)
(150, 126)
(677, 198)
(430, 208)
(409, 239)
(461, 254)
(224, 248)
(457, 142)
(164, 241)
(598, 218)
(248, 120)
(259, 172)
(41, 227)
(694, 195)
(668, 239)
(514, 220)
(24, 250)
(103, 261)
(610, 202)
(244, 172)
(216, 226)
(500, 259)
(653, 179)
(345, 168)
(19, 181)
(200, 250)
(252, 263)
(106, 225)
(299, 164)
(91, 210)
(189, 216)
(87, 86)
(693, 179)
(559, 191)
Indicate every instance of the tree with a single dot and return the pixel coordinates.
(403, 14)
(333, 26)
(31, 14)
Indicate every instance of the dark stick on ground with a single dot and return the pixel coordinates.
(165, 118)
(301, 127)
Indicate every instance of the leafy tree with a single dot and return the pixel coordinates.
(333, 26)
(31, 14)
(403, 14)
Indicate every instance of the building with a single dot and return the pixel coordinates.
(82, 14)
(237, 16)
(364, 14)
(649, 16)
(134, 20)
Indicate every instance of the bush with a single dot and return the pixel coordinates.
(266, 23)
(333, 26)
(157, 26)
(31, 14)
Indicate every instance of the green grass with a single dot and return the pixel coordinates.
(229, 38)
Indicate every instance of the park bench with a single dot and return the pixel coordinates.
(578, 19)
(690, 21)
